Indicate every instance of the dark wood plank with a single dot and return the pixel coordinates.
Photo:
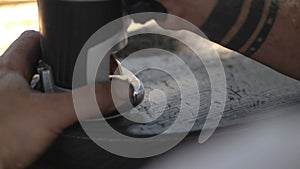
(251, 89)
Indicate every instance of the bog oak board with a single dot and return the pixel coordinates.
(252, 88)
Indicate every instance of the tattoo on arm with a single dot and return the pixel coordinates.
(265, 30)
(250, 25)
(222, 18)
(254, 30)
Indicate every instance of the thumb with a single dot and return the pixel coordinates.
(59, 108)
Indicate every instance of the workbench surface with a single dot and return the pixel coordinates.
(252, 88)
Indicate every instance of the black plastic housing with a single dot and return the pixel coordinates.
(66, 25)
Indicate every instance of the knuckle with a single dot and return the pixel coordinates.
(30, 34)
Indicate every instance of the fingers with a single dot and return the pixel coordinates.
(59, 108)
(23, 54)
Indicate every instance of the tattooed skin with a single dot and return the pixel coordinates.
(254, 19)
(268, 31)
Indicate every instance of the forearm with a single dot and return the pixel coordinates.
(266, 30)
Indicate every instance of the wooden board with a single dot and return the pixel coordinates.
(251, 89)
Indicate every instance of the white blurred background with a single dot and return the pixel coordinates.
(16, 16)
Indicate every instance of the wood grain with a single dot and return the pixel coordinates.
(251, 90)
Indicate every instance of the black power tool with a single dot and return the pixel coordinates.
(66, 25)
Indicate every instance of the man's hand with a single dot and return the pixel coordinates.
(30, 120)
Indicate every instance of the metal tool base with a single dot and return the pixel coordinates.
(47, 84)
